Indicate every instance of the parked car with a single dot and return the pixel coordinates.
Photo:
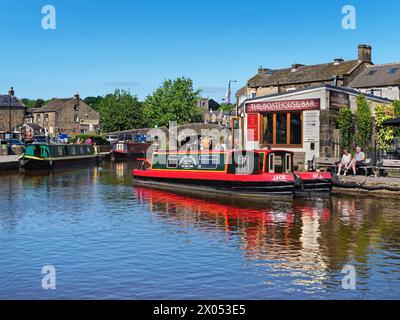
(112, 138)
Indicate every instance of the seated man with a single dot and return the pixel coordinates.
(345, 162)
(359, 160)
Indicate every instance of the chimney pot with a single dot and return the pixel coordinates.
(11, 92)
(364, 53)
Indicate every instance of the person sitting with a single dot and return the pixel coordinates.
(358, 161)
(345, 162)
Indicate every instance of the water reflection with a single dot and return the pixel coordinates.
(310, 238)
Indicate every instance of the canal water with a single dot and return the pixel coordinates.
(109, 240)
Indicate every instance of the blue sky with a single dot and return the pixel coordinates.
(101, 45)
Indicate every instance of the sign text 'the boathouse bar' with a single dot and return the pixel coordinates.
(288, 105)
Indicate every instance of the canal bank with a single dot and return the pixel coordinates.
(372, 186)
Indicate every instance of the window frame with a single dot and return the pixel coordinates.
(274, 130)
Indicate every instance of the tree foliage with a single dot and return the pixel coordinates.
(384, 134)
(227, 107)
(175, 100)
(346, 127)
(93, 102)
(364, 122)
(120, 111)
(31, 103)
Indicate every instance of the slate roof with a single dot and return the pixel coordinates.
(53, 105)
(378, 76)
(304, 74)
(15, 102)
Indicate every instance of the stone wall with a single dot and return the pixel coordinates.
(17, 117)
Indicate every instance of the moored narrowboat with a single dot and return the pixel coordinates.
(44, 157)
(246, 174)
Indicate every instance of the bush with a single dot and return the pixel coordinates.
(346, 127)
(364, 122)
(384, 134)
(96, 139)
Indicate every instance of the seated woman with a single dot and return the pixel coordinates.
(345, 162)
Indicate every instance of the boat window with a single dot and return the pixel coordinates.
(209, 161)
(245, 163)
(81, 150)
(66, 151)
(60, 151)
(288, 162)
(172, 161)
(271, 163)
(279, 164)
(73, 151)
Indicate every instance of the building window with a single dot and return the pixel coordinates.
(46, 117)
(282, 129)
(76, 119)
(38, 118)
(76, 107)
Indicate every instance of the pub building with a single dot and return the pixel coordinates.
(304, 121)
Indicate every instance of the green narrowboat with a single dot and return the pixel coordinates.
(49, 156)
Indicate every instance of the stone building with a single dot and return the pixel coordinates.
(70, 116)
(381, 80)
(12, 112)
(207, 104)
(304, 121)
(337, 73)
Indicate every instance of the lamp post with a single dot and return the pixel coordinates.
(228, 98)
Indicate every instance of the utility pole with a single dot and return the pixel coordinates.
(9, 110)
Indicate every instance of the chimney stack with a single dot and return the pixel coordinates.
(11, 92)
(262, 70)
(364, 53)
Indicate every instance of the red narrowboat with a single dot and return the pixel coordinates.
(245, 174)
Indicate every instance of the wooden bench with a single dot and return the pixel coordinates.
(328, 164)
(367, 167)
(389, 168)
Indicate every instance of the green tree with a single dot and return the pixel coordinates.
(29, 103)
(227, 107)
(175, 100)
(120, 111)
(39, 103)
(93, 102)
(346, 127)
(364, 122)
(396, 108)
(384, 134)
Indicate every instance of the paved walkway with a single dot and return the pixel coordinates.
(8, 159)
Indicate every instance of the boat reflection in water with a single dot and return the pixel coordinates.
(284, 236)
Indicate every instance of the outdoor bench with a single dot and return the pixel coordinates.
(389, 168)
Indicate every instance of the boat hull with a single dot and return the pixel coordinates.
(311, 183)
(45, 164)
(200, 188)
